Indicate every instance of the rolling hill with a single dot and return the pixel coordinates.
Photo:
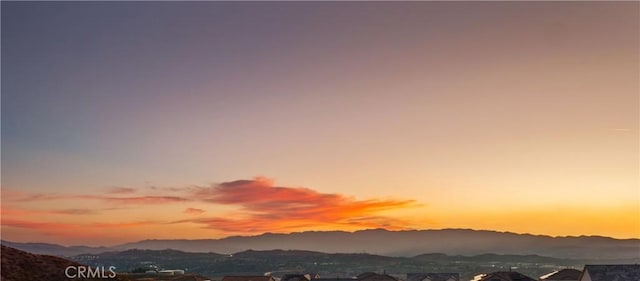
(383, 242)
(411, 243)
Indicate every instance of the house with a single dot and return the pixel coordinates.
(335, 279)
(613, 272)
(433, 276)
(295, 277)
(170, 272)
(505, 276)
(567, 274)
(372, 276)
(249, 278)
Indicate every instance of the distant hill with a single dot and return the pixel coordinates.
(54, 249)
(384, 242)
(411, 243)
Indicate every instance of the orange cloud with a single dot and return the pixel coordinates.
(193, 211)
(272, 208)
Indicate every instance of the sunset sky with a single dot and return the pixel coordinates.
(126, 121)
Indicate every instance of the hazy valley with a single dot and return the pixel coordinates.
(344, 254)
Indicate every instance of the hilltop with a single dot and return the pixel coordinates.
(22, 266)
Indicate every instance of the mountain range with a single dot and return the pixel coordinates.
(382, 242)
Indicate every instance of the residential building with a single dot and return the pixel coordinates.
(335, 279)
(567, 274)
(372, 276)
(506, 276)
(295, 277)
(612, 272)
(433, 276)
(249, 278)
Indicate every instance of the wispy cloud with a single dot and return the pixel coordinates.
(121, 190)
(41, 197)
(21, 212)
(623, 130)
(137, 200)
(75, 212)
(39, 225)
(193, 211)
(172, 189)
(109, 198)
(36, 224)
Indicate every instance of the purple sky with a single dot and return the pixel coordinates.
(440, 103)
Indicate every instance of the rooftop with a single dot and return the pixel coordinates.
(613, 272)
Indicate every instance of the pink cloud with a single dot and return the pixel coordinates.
(193, 211)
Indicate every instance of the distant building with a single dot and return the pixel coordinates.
(249, 278)
(336, 279)
(478, 277)
(169, 272)
(372, 276)
(614, 272)
(433, 276)
(295, 277)
(566, 274)
(505, 276)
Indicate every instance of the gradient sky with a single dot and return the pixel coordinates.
(133, 120)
